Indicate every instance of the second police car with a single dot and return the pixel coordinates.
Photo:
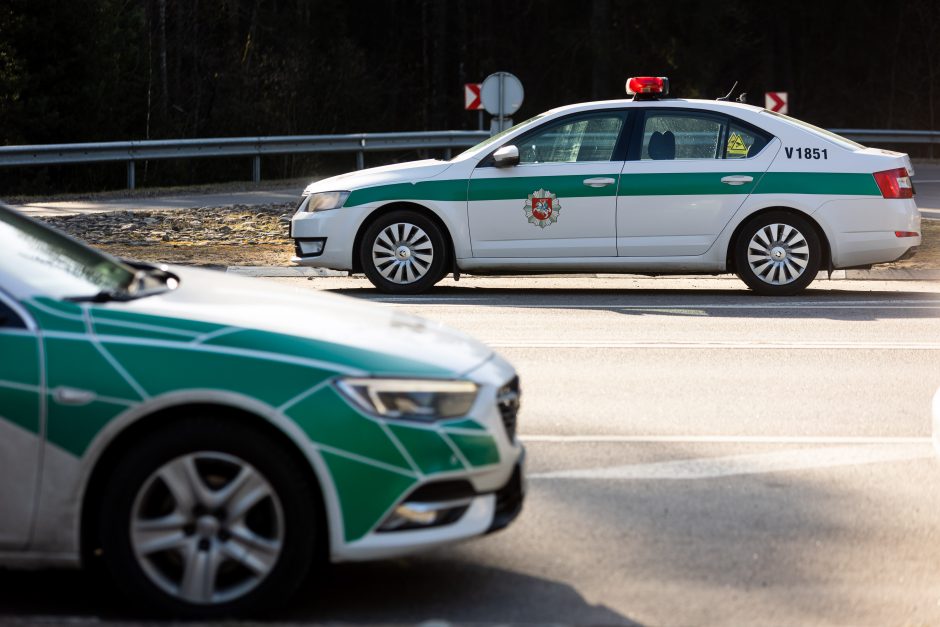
(648, 185)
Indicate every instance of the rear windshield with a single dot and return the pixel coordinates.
(844, 142)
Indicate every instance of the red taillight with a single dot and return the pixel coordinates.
(648, 85)
(906, 234)
(895, 183)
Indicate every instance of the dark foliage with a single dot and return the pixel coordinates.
(100, 70)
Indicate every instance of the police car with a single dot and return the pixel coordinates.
(207, 439)
(650, 185)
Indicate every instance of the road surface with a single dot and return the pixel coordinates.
(697, 455)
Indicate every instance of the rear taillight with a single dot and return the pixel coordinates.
(895, 183)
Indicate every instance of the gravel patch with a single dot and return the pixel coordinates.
(214, 236)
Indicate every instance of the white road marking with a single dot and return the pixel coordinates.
(729, 439)
(717, 345)
(750, 464)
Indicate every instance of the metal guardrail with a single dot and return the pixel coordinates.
(875, 136)
(255, 147)
(360, 143)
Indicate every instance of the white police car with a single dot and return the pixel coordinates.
(648, 185)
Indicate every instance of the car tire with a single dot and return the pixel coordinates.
(209, 518)
(403, 252)
(778, 253)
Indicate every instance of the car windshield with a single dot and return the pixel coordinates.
(843, 141)
(55, 264)
(498, 136)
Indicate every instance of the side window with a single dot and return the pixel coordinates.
(743, 142)
(677, 135)
(590, 138)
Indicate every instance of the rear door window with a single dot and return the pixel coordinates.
(689, 134)
(680, 135)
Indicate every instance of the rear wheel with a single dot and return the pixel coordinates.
(778, 254)
(208, 519)
(403, 252)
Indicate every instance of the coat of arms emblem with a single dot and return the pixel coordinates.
(542, 208)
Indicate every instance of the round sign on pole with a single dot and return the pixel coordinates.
(501, 94)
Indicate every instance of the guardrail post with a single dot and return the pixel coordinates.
(447, 154)
(130, 175)
(256, 169)
(361, 156)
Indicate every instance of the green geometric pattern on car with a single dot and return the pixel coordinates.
(365, 493)
(21, 407)
(64, 316)
(76, 363)
(349, 356)
(19, 366)
(464, 423)
(428, 450)
(329, 420)
(479, 450)
(192, 328)
(73, 427)
(131, 324)
(827, 183)
(160, 369)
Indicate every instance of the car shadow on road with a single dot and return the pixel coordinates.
(828, 304)
(433, 586)
(445, 585)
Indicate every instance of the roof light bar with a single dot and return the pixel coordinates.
(647, 86)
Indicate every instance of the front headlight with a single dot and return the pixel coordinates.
(425, 400)
(323, 201)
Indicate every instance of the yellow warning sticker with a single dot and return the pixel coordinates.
(736, 147)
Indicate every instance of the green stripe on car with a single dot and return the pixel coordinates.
(647, 184)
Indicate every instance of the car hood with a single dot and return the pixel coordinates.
(262, 315)
(394, 173)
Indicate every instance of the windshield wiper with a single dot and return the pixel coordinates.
(104, 296)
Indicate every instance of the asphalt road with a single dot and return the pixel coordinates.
(697, 455)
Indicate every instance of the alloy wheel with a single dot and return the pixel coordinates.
(207, 528)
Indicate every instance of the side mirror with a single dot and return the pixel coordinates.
(506, 156)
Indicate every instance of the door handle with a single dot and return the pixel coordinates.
(737, 179)
(73, 396)
(599, 182)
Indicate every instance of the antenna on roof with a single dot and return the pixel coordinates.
(728, 95)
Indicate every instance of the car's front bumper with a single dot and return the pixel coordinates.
(336, 228)
(485, 514)
(491, 489)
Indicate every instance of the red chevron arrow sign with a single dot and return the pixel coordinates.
(776, 101)
(471, 96)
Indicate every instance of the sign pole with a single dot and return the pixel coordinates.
(502, 91)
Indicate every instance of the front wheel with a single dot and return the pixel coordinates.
(778, 254)
(403, 252)
(208, 519)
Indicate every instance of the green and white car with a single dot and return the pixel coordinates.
(650, 185)
(206, 439)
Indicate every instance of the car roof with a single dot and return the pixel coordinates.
(715, 105)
